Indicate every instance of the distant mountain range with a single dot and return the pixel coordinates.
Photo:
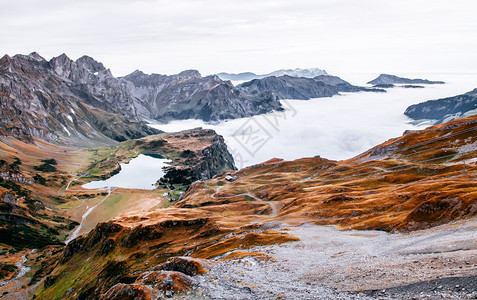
(76, 102)
(188, 95)
(386, 79)
(288, 87)
(307, 73)
(446, 109)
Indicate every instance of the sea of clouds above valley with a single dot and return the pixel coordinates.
(338, 127)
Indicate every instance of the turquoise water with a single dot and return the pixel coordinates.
(141, 172)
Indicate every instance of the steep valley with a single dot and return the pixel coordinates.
(398, 215)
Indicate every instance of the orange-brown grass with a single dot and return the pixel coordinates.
(413, 182)
(245, 241)
(391, 187)
(236, 255)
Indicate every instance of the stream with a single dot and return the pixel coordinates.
(23, 270)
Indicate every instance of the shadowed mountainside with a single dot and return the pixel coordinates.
(287, 87)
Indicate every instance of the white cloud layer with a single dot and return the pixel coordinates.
(165, 36)
(339, 127)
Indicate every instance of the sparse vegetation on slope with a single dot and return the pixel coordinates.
(412, 182)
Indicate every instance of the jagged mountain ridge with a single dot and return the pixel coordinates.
(307, 73)
(446, 109)
(288, 87)
(136, 96)
(188, 95)
(56, 101)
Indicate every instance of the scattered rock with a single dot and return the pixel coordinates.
(123, 291)
(187, 265)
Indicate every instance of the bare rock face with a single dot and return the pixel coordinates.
(95, 84)
(188, 95)
(187, 265)
(172, 277)
(166, 281)
(151, 285)
(64, 101)
(81, 100)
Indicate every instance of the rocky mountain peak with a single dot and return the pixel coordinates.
(36, 56)
(136, 73)
(90, 64)
(62, 65)
(62, 59)
(5, 57)
(190, 74)
(5, 62)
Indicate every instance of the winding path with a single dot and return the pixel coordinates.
(83, 218)
(75, 233)
(271, 204)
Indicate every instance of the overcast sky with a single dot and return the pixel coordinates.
(167, 36)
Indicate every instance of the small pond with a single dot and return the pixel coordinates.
(141, 172)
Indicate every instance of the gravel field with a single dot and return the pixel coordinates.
(437, 263)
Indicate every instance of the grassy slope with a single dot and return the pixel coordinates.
(412, 182)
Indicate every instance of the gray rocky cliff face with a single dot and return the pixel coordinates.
(94, 84)
(62, 99)
(446, 109)
(287, 87)
(42, 99)
(188, 95)
(216, 159)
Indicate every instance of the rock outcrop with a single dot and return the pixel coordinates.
(446, 109)
(393, 79)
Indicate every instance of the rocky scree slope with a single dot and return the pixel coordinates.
(64, 101)
(287, 87)
(446, 109)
